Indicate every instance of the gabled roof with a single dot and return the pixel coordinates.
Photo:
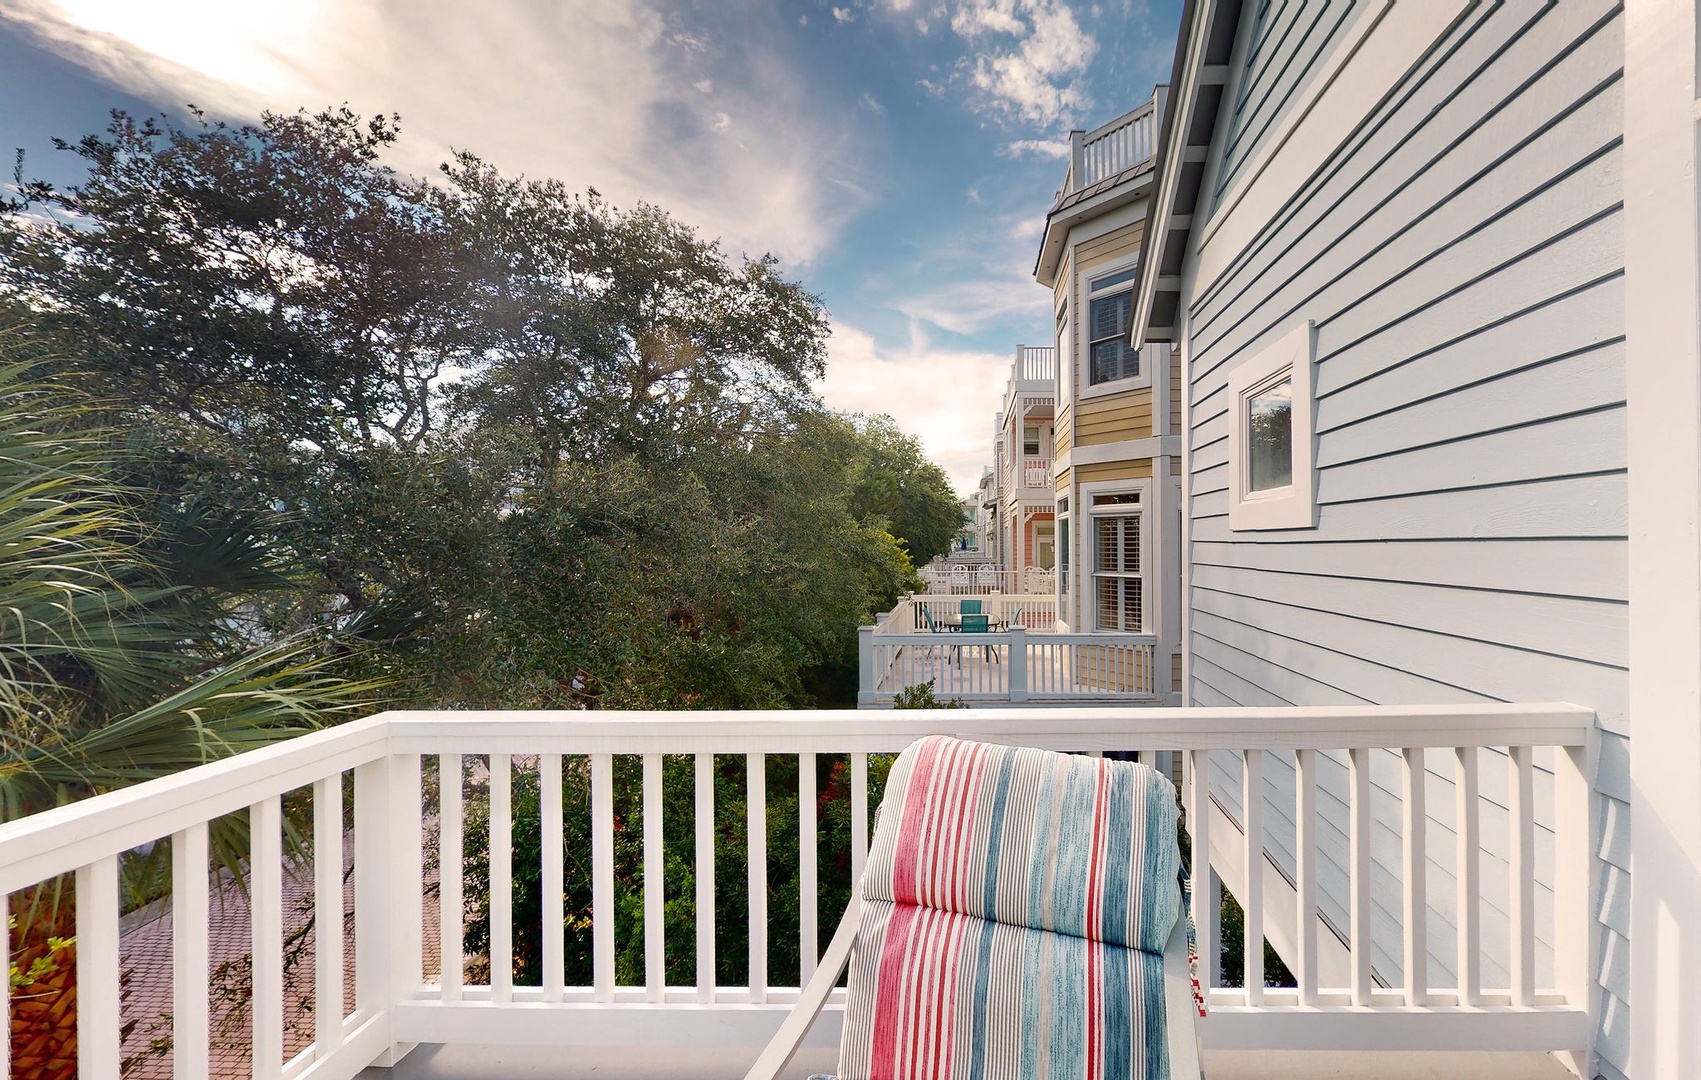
(1203, 50)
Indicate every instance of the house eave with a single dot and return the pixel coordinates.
(1198, 80)
(1081, 206)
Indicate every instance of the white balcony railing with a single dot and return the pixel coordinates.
(976, 580)
(1036, 363)
(1112, 148)
(1362, 772)
(1037, 612)
(1036, 473)
(1013, 666)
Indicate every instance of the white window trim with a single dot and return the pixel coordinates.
(1294, 506)
(1083, 318)
(1085, 572)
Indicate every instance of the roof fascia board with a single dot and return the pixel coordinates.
(1188, 74)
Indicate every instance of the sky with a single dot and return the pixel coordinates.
(897, 156)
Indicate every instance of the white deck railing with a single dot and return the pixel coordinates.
(396, 1006)
(1036, 473)
(1036, 612)
(973, 581)
(1036, 363)
(1111, 148)
(1013, 666)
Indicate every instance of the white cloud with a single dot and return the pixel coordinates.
(588, 91)
(722, 122)
(975, 305)
(1052, 148)
(704, 86)
(946, 397)
(1031, 54)
(921, 26)
(843, 14)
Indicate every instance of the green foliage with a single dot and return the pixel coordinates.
(920, 696)
(537, 449)
(1233, 950)
(41, 965)
(679, 883)
(897, 484)
(121, 658)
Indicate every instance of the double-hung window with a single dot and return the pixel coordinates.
(1119, 583)
(1110, 305)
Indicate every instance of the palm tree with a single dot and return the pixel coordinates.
(126, 653)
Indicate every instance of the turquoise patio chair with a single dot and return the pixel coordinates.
(977, 624)
(1020, 915)
(968, 607)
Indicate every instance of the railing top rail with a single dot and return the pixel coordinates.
(57, 841)
(1140, 111)
(1337, 727)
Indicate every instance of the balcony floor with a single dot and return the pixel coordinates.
(540, 1063)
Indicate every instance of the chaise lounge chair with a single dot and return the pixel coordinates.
(1020, 916)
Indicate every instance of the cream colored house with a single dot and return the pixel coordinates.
(1115, 452)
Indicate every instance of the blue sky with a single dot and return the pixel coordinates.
(897, 155)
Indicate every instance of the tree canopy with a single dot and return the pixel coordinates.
(536, 450)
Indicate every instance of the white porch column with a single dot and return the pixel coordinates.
(1663, 284)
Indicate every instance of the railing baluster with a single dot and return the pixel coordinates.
(1198, 830)
(1305, 824)
(1252, 811)
(808, 917)
(1521, 864)
(451, 897)
(265, 907)
(859, 814)
(602, 875)
(756, 833)
(655, 944)
(501, 879)
(553, 857)
(189, 921)
(98, 1014)
(1467, 874)
(1415, 907)
(406, 851)
(1359, 871)
(705, 815)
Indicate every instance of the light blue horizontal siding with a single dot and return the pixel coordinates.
(1462, 261)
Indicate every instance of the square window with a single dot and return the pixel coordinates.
(1271, 482)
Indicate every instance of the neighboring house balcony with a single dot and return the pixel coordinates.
(1357, 911)
(1020, 659)
(976, 578)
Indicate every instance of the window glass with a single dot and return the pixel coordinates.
(1117, 582)
(1109, 355)
(1269, 436)
(1031, 441)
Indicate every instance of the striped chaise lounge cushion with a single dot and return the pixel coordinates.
(1017, 905)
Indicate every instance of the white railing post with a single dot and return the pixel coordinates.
(865, 665)
(387, 844)
(1018, 667)
(1077, 162)
(98, 1009)
(189, 920)
(1576, 888)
